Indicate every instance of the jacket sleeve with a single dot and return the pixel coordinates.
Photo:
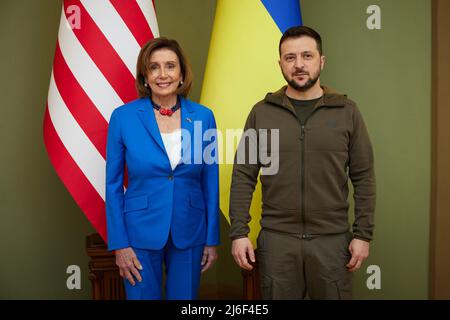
(362, 175)
(115, 165)
(244, 179)
(210, 185)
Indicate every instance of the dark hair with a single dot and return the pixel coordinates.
(143, 65)
(301, 31)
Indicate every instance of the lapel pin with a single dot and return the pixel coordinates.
(189, 120)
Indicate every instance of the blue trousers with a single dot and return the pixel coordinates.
(182, 269)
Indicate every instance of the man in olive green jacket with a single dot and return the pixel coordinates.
(305, 247)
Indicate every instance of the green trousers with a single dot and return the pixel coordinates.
(295, 268)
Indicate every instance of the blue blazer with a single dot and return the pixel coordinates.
(184, 202)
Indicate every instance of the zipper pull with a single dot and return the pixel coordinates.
(302, 136)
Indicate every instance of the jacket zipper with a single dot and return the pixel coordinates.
(302, 179)
(305, 234)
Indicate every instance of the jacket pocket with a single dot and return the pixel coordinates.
(196, 201)
(136, 203)
(340, 287)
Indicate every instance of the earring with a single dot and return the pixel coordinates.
(181, 82)
(146, 84)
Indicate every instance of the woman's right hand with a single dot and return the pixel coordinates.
(128, 264)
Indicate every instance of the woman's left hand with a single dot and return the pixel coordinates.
(209, 257)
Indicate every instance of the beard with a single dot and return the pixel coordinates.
(308, 84)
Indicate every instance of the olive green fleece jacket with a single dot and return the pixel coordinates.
(308, 195)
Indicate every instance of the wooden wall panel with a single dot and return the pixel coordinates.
(440, 184)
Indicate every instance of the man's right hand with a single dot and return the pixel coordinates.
(240, 248)
(128, 264)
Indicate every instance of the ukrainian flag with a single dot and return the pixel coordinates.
(242, 67)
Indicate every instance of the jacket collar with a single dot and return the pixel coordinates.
(330, 98)
(148, 120)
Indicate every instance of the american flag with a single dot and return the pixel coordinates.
(93, 73)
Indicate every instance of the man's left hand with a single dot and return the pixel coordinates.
(359, 250)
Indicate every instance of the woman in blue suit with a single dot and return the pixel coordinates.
(169, 212)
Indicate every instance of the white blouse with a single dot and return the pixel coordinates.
(172, 143)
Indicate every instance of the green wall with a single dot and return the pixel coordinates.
(42, 228)
(386, 71)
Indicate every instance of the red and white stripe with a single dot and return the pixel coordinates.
(93, 73)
